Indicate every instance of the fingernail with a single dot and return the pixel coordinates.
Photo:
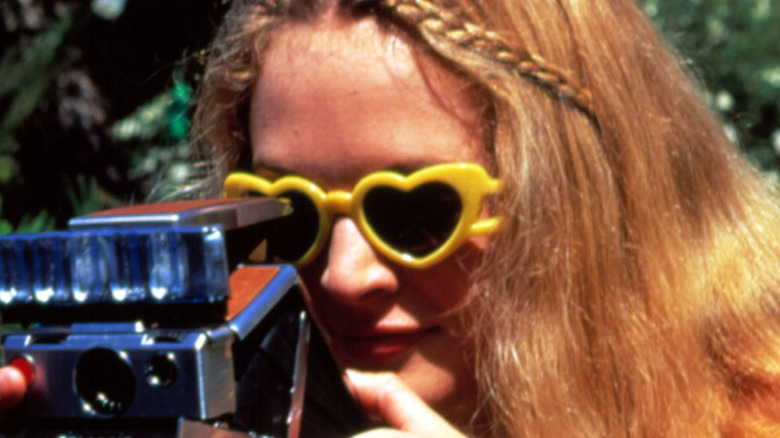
(25, 367)
(353, 374)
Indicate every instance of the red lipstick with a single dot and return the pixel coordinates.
(376, 346)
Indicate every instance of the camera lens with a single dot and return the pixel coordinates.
(161, 370)
(105, 381)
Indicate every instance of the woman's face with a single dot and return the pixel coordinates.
(338, 99)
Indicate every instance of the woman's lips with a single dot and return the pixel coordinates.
(377, 346)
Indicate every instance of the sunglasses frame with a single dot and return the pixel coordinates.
(471, 182)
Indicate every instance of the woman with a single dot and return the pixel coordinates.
(630, 287)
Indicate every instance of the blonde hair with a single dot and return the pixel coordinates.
(632, 290)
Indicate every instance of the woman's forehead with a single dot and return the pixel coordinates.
(330, 42)
(344, 97)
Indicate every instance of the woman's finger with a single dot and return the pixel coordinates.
(385, 396)
(12, 387)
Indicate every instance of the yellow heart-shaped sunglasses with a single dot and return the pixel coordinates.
(416, 220)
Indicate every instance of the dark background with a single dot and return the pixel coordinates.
(93, 109)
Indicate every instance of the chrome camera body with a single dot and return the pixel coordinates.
(144, 322)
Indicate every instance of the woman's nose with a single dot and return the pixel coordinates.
(354, 271)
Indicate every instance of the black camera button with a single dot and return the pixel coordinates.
(161, 370)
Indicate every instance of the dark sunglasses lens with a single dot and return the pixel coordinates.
(416, 222)
(289, 237)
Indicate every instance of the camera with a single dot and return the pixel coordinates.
(148, 321)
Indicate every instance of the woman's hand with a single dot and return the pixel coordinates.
(385, 397)
(12, 388)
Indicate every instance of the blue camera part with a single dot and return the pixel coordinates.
(159, 265)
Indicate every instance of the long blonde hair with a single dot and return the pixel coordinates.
(632, 290)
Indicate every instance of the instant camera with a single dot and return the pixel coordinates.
(146, 322)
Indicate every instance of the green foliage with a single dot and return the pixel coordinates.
(178, 113)
(35, 223)
(165, 117)
(26, 69)
(734, 46)
(5, 226)
(160, 128)
(30, 223)
(84, 195)
(71, 141)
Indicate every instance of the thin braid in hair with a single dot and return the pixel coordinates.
(440, 23)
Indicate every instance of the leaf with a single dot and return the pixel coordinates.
(83, 195)
(5, 227)
(42, 221)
